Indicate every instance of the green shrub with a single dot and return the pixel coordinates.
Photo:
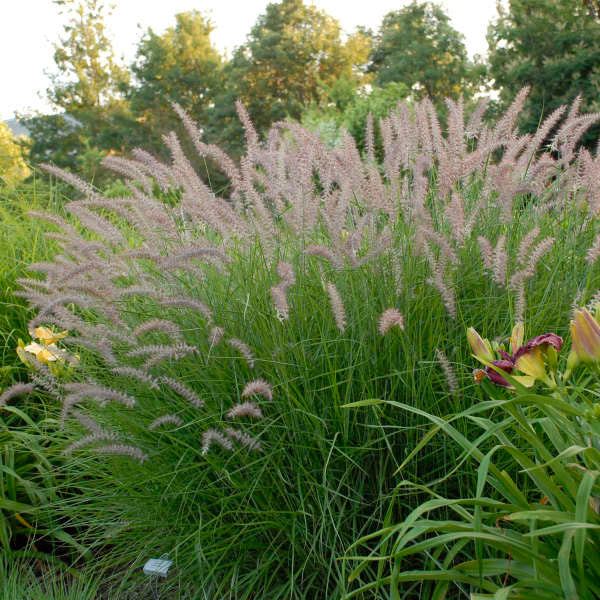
(13, 165)
(221, 339)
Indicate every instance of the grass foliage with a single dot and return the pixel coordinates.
(409, 234)
(529, 527)
(22, 580)
(21, 243)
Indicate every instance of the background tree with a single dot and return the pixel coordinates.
(88, 76)
(179, 65)
(418, 47)
(292, 55)
(86, 90)
(553, 46)
(351, 116)
(13, 167)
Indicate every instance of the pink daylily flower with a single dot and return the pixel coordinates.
(495, 377)
(528, 359)
(545, 340)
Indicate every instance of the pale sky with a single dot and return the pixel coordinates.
(28, 29)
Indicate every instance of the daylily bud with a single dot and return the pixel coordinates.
(552, 357)
(517, 337)
(572, 361)
(585, 333)
(21, 352)
(481, 348)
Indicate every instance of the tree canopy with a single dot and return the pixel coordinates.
(418, 47)
(86, 91)
(552, 46)
(87, 74)
(180, 65)
(13, 167)
(297, 63)
(292, 55)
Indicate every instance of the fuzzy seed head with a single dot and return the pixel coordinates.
(390, 318)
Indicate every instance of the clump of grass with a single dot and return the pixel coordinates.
(21, 243)
(177, 308)
(28, 470)
(23, 580)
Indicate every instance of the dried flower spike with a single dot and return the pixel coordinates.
(245, 409)
(18, 389)
(337, 306)
(390, 318)
(258, 386)
(448, 372)
(212, 436)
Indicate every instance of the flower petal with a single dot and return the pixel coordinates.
(33, 348)
(495, 377)
(525, 380)
(531, 362)
(505, 356)
(47, 335)
(546, 339)
(47, 353)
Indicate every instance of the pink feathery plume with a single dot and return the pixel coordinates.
(390, 318)
(258, 386)
(245, 409)
(337, 306)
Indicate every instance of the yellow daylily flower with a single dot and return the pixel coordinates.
(532, 364)
(525, 380)
(47, 336)
(45, 354)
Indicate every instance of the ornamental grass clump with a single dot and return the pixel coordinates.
(219, 338)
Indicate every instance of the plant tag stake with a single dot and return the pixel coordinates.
(158, 566)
